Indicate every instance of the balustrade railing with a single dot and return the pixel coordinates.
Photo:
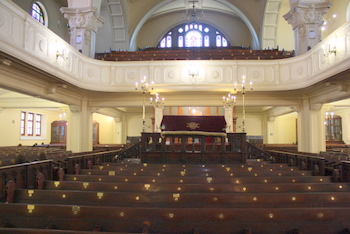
(193, 148)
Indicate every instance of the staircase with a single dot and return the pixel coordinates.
(132, 197)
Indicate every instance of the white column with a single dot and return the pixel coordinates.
(229, 118)
(306, 18)
(84, 19)
(79, 131)
(311, 130)
(158, 117)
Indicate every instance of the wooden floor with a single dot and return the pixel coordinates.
(132, 197)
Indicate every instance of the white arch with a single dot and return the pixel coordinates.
(270, 23)
(256, 44)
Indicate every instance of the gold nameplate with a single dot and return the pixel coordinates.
(30, 208)
(99, 195)
(85, 184)
(111, 173)
(30, 193)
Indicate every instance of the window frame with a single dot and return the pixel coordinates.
(42, 13)
(181, 30)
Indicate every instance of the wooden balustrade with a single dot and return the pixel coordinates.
(93, 157)
(193, 148)
(194, 54)
(24, 175)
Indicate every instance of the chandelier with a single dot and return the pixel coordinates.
(191, 15)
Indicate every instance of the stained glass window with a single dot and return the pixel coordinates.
(181, 41)
(193, 39)
(37, 13)
(193, 35)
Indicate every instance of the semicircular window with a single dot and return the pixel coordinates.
(38, 12)
(193, 35)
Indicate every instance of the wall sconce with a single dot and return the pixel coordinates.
(330, 50)
(193, 72)
(330, 20)
(62, 55)
(62, 25)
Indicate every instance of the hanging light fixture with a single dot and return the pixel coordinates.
(191, 15)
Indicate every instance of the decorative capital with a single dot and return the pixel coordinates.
(295, 108)
(316, 107)
(86, 18)
(302, 13)
(94, 110)
(53, 88)
(74, 108)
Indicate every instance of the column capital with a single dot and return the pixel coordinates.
(307, 13)
(87, 18)
(316, 107)
(75, 108)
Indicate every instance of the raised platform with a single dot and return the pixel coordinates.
(193, 148)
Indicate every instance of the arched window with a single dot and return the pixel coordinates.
(39, 13)
(218, 41)
(193, 39)
(181, 41)
(168, 41)
(193, 35)
(206, 41)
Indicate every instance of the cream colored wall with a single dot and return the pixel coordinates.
(107, 129)
(345, 115)
(283, 130)
(285, 33)
(340, 8)
(134, 122)
(152, 31)
(253, 125)
(10, 127)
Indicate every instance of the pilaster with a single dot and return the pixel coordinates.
(306, 18)
(79, 131)
(83, 25)
(311, 130)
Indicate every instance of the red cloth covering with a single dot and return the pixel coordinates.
(193, 123)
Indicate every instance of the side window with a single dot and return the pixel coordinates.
(31, 124)
(23, 123)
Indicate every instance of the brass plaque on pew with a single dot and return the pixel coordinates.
(111, 173)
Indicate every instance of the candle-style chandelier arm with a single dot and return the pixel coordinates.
(144, 86)
(230, 100)
(157, 101)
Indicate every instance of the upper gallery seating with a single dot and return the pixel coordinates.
(230, 53)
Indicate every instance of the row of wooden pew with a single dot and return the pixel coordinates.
(194, 54)
(132, 197)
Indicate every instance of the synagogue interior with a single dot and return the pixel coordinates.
(202, 89)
